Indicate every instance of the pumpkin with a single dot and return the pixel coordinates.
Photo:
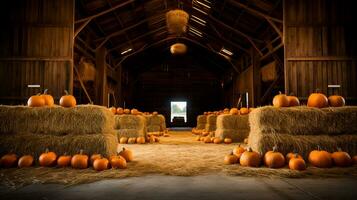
(155, 113)
(291, 155)
(36, 101)
(317, 100)
(48, 158)
(140, 140)
(297, 163)
(354, 159)
(64, 160)
(120, 111)
(95, 157)
(67, 100)
(166, 135)
(250, 158)
(217, 140)
(48, 98)
(198, 138)
(207, 140)
(227, 140)
(127, 154)
(113, 110)
(152, 139)
(123, 140)
(101, 164)
(336, 101)
(134, 111)
(251, 109)
(238, 151)
(79, 161)
(205, 133)
(212, 138)
(8, 160)
(132, 140)
(274, 159)
(126, 111)
(293, 101)
(320, 158)
(226, 111)
(341, 158)
(157, 139)
(244, 111)
(230, 159)
(245, 141)
(117, 162)
(234, 111)
(280, 100)
(202, 139)
(25, 161)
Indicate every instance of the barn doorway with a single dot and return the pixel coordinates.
(178, 112)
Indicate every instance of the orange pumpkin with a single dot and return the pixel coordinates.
(126, 111)
(25, 161)
(291, 155)
(238, 151)
(354, 160)
(134, 111)
(280, 100)
(155, 113)
(230, 159)
(226, 111)
(293, 101)
(123, 140)
(245, 141)
(8, 160)
(320, 158)
(132, 140)
(48, 98)
(152, 139)
(120, 111)
(274, 159)
(198, 138)
(79, 161)
(36, 101)
(118, 162)
(234, 111)
(202, 139)
(297, 163)
(217, 140)
(113, 110)
(127, 154)
(95, 157)
(101, 164)
(140, 140)
(47, 159)
(244, 111)
(67, 100)
(227, 140)
(207, 140)
(341, 158)
(64, 160)
(317, 100)
(336, 101)
(205, 133)
(250, 158)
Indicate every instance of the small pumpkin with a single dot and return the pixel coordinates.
(205, 133)
(293, 100)
(118, 162)
(132, 140)
(274, 159)
(198, 138)
(217, 140)
(126, 111)
(251, 109)
(155, 113)
(36, 101)
(120, 111)
(230, 159)
(101, 164)
(94, 157)
(238, 151)
(291, 155)
(227, 140)
(336, 101)
(8, 160)
(25, 161)
(140, 140)
(123, 140)
(48, 98)
(166, 135)
(47, 159)
(234, 111)
(202, 139)
(152, 139)
(79, 161)
(134, 111)
(212, 139)
(113, 110)
(354, 160)
(244, 111)
(250, 158)
(341, 158)
(64, 160)
(317, 100)
(207, 140)
(67, 100)
(127, 154)
(157, 139)
(226, 111)
(280, 100)
(297, 163)
(320, 158)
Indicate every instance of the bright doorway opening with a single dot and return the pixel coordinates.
(179, 110)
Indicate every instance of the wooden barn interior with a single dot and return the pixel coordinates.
(178, 99)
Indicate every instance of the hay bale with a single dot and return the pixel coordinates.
(130, 126)
(155, 123)
(82, 119)
(235, 127)
(36, 144)
(304, 120)
(211, 123)
(201, 122)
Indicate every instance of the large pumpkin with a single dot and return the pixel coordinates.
(67, 100)
(64, 160)
(320, 158)
(230, 159)
(291, 155)
(113, 110)
(48, 98)
(101, 164)
(127, 154)
(117, 162)
(293, 100)
(94, 157)
(250, 158)
(317, 100)
(280, 100)
(25, 161)
(238, 151)
(47, 159)
(336, 101)
(79, 161)
(123, 140)
(36, 101)
(341, 158)
(297, 163)
(274, 159)
(8, 160)
(217, 140)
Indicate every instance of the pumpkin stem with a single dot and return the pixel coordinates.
(280, 92)
(275, 148)
(66, 92)
(45, 91)
(339, 149)
(318, 148)
(296, 155)
(81, 152)
(291, 94)
(249, 149)
(47, 150)
(38, 94)
(318, 90)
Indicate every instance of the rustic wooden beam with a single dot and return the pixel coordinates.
(57, 58)
(271, 52)
(82, 84)
(85, 44)
(80, 28)
(322, 58)
(100, 82)
(104, 12)
(277, 30)
(256, 78)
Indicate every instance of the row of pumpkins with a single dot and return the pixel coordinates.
(45, 99)
(317, 100)
(78, 161)
(134, 111)
(275, 159)
(215, 140)
(232, 111)
(138, 140)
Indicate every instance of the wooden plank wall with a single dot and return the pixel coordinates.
(320, 47)
(36, 47)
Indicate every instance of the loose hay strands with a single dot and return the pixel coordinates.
(211, 123)
(23, 144)
(82, 119)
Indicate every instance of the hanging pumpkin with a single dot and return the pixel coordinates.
(8, 160)
(94, 157)
(67, 100)
(274, 159)
(244, 111)
(140, 140)
(280, 100)
(317, 100)
(100, 164)
(132, 140)
(47, 159)
(291, 155)
(36, 101)
(227, 140)
(320, 158)
(217, 140)
(48, 98)
(123, 140)
(127, 154)
(250, 158)
(79, 161)
(341, 158)
(297, 163)
(120, 111)
(293, 100)
(64, 160)
(230, 159)
(113, 110)
(234, 111)
(336, 101)
(126, 111)
(25, 161)
(238, 151)
(118, 162)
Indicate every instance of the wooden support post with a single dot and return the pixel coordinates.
(101, 97)
(256, 78)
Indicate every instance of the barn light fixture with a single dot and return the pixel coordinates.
(195, 31)
(178, 49)
(126, 51)
(226, 51)
(199, 19)
(199, 10)
(202, 4)
(34, 86)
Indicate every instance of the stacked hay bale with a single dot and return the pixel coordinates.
(26, 130)
(201, 124)
(155, 124)
(235, 127)
(302, 128)
(128, 125)
(211, 123)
